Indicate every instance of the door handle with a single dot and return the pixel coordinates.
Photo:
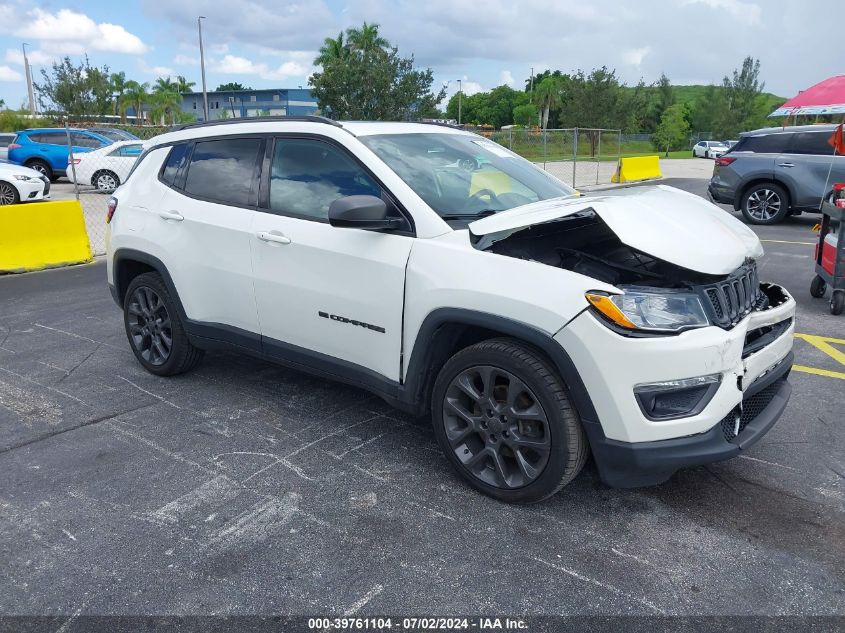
(273, 237)
(171, 215)
(786, 164)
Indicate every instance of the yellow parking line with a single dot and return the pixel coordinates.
(819, 372)
(789, 242)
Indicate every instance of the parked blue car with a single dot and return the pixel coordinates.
(46, 149)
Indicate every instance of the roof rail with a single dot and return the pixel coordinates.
(454, 126)
(261, 119)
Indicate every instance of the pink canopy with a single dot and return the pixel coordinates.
(826, 97)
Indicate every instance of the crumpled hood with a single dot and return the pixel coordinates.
(664, 222)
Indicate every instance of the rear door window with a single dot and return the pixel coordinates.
(49, 138)
(767, 144)
(225, 170)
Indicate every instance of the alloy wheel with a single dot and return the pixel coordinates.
(7, 193)
(41, 168)
(496, 426)
(106, 182)
(149, 326)
(763, 204)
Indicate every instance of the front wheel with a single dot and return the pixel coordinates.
(505, 422)
(155, 330)
(765, 203)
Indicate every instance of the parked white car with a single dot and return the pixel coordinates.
(5, 139)
(21, 184)
(454, 278)
(105, 168)
(709, 149)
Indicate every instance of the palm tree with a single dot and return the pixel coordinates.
(366, 39)
(164, 105)
(183, 85)
(134, 96)
(333, 48)
(549, 93)
(118, 87)
(163, 84)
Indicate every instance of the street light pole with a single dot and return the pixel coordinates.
(460, 94)
(28, 73)
(202, 70)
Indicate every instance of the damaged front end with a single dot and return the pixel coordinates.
(659, 296)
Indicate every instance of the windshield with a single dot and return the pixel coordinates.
(462, 176)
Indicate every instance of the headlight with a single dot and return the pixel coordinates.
(653, 311)
(25, 178)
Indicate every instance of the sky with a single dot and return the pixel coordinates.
(485, 43)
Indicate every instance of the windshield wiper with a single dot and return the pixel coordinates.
(469, 216)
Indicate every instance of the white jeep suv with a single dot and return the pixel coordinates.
(448, 275)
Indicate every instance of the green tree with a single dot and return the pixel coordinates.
(75, 89)
(135, 96)
(333, 49)
(118, 87)
(673, 131)
(548, 94)
(525, 114)
(374, 83)
(164, 104)
(232, 85)
(183, 85)
(163, 84)
(594, 101)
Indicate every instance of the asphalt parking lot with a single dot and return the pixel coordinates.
(246, 488)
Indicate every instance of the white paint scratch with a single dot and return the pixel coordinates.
(257, 524)
(763, 461)
(66, 626)
(150, 393)
(361, 602)
(35, 382)
(603, 585)
(371, 474)
(157, 447)
(213, 492)
(359, 446)
(631, 556)
(68, 534)
(79, 336)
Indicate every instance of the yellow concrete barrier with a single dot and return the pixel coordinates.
(40, 235)
(637, 168)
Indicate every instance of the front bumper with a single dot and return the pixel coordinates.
(31, 190)
(632, 465)
(611, 366)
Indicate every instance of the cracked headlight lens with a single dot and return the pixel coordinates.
(651, 310)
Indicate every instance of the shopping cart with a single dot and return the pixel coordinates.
(830, 252)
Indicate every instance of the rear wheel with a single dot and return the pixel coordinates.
(817, 287)
(155, 330)
(105, 181)
(765, 203)
(8, 194)
(40, 166)
(505, 422)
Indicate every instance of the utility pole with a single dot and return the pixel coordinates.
(28, 73)
(531, 94)
(460, 94)
(202, 70)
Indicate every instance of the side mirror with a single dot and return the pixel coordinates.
(361, 212)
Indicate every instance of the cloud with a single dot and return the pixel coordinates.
(9, 74)
(746, 12)
(69, 32)
(185, 60)
(506, 79)
(635, 56)
(36, 57)
(156, 71)
(235, 65)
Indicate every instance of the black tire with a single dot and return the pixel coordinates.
(818, 287)
(536, 455)
(707, 153)
(105, 175)
(40, 166)
(837, 302)
(148, 321)
(8, 193)
(765, 203)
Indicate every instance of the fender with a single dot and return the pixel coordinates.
(419, 376)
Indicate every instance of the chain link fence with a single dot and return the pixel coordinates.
(100, 158)
(578, 156)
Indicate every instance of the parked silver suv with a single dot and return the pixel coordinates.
(775, 172)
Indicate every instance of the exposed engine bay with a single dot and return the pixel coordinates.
(584, 244)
